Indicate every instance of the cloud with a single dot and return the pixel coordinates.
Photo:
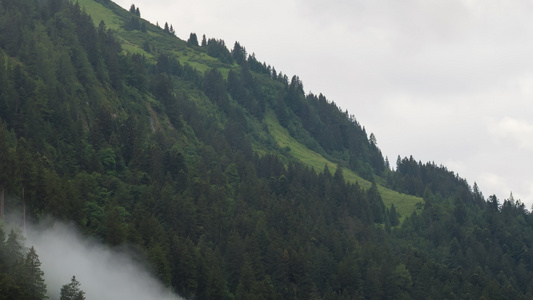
(102, 272)
(496, 182)
(514, 132)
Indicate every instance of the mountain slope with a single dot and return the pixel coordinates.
(224, 176)
(132, 41)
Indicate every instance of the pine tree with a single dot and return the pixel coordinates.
(72, 291)
(394, 216)
(239, 53)
(193, 40)
(13, 250)
(32, 281)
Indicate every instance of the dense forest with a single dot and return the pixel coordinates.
(173, 148)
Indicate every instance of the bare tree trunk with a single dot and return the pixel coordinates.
(23, 211)
(2, 202)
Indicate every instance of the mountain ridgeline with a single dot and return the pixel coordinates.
(221, 172)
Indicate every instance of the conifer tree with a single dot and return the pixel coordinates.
(2, 247)
(72, 291)
(393, 216)
(239, 53)
(32, 281)
(193, 40)
(13, 251)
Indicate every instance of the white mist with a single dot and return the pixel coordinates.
(102, 272)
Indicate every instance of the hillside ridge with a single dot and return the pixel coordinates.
(202, 62)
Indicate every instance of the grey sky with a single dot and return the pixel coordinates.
(449, 81)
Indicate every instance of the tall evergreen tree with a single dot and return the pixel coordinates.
(14, 252)
(193, 40)
(394, 218)
(32, 277)
(238, 53)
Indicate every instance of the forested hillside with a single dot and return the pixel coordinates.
(221, 172)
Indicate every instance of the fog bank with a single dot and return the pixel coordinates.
(103, 273)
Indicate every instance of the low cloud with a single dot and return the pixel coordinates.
(519, 132)
(103, 273)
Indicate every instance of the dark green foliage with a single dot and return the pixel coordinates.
(245, 91)
(21, 276)
(32, 280)
(134, 23)
(215, 88)
(168, 65)
(180, 164)
(161, 87)
(169, 30)
(193, 40)
(376, 204)
(72, 291)
(217, 48)
(238, 53)
(135, 11)
(414, 178)
(258, 67)
(14, 256)
(324, 128)
(394, 217)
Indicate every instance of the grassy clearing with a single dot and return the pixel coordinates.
(99, 13)
(132, 41)
(404, 204)
(306, 156)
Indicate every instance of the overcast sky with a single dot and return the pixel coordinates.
(446, 81)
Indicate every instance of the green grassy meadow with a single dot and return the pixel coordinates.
(101, 13)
